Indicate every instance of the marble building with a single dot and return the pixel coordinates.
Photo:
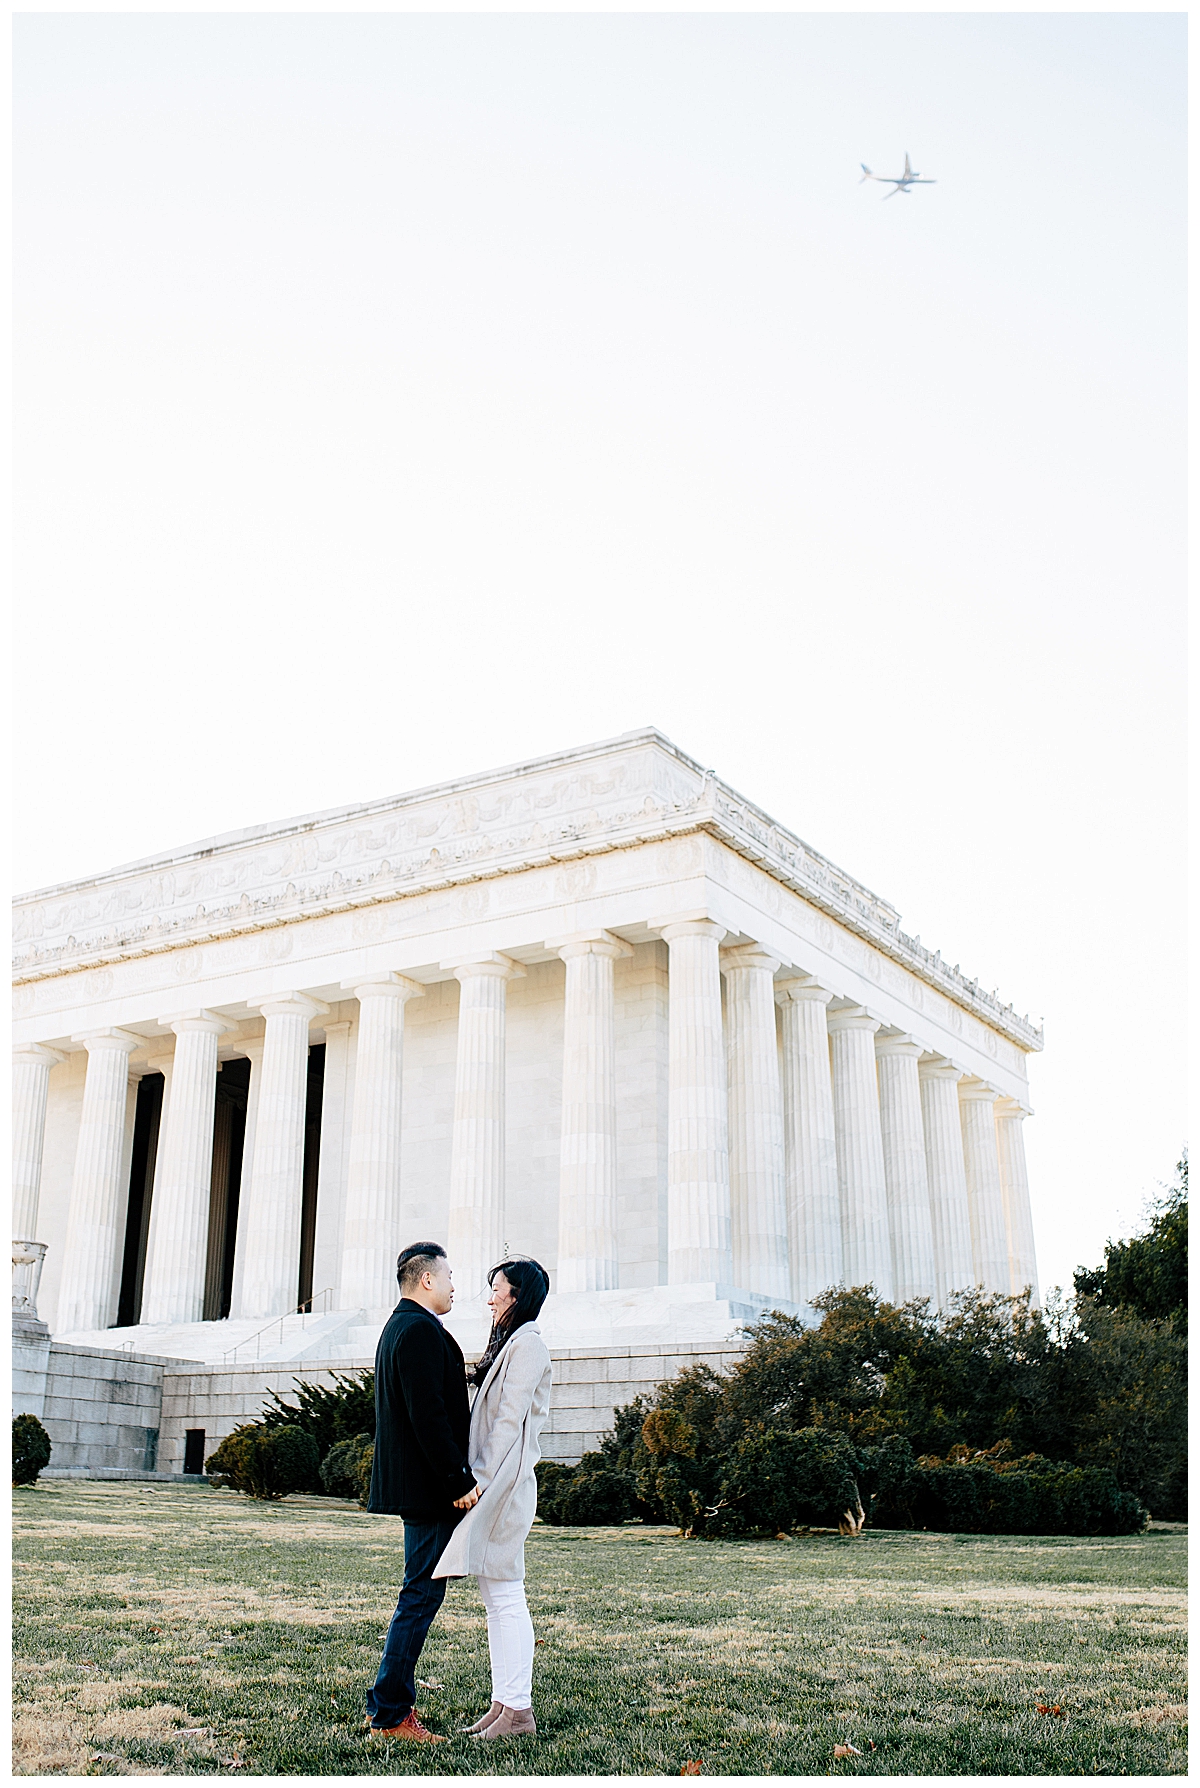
(596, 1008)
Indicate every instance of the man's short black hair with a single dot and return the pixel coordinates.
(422, 1257)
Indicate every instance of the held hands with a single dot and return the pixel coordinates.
(469, 1500)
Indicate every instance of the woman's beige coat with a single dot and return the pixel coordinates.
(507, 1419)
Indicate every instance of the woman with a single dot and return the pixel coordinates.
(512, 1400)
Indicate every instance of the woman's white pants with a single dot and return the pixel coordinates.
(510, 1641)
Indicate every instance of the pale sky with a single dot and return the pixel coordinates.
(402, 396)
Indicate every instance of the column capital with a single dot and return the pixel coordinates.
(938, 1067)
(212, 1022)
(488, 963)
(386, 985)
(852, 1018)
(295, 1005)
(972, 1087)
(589, 943)
(749, 956)
(689, 926)
(110, 1038)
(38, 1053)
(1012, 1108)
(900, 1044)
(802, 987)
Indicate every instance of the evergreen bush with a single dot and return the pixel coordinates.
(264, 1462)
(341, 1468)
(30, 1449)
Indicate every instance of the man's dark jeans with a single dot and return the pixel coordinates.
(395, 1688)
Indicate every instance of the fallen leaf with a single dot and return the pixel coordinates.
(539, 1642)
(422, 1684)
(233, 1763)
(871, 1742)
(692, 1769)
(190, 1731)
(783, 1536)
(847, 1751)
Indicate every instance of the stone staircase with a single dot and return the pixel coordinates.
(237, 1342)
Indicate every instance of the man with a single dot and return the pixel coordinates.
(420, 1472)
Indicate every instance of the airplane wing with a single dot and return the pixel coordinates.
(896, 187)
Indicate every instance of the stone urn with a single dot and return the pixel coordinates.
(28, 1259)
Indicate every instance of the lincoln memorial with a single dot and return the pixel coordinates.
(596, 1008)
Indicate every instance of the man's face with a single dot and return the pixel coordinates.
(439, 1285)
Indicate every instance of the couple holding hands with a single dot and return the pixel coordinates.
(460, 1477)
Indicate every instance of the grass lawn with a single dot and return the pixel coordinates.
(189, 1631)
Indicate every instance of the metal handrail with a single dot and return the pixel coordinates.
(305, 1309)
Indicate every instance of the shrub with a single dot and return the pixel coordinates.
(341, 1468)
(30, 1449)
(330, 1413)
(594, 1494)
(265, 1462)
(994, 1493)
(366, 1460)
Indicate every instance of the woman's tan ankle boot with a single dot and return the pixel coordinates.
(482, 1724)
(513, 1722)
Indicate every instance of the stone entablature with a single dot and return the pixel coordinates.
(617, 795)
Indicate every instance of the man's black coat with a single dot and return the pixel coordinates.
(422, 1418)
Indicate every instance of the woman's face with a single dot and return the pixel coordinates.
(502, 1299)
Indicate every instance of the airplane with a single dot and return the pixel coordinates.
(908, 178)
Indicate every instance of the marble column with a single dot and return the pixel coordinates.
(476, 1216)
(371, 1236)
(31, 1065)
(862, 1178)
(757, 1181)
(698, 1221)
(270, 1282)
(945, 1167)
(989, 1244)
(252, 1049)
(814, 1203)
(87, 1297)
(904, 1164)
(1014, 1194)
(587, 1186)
(177, 1246)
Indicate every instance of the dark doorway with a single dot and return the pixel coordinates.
(312, 1156)
(229, 1138)
(193, 1452)
(141, 1188)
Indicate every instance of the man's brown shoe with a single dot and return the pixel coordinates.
(512, 1722)
(411, 1727)
(485, 1720)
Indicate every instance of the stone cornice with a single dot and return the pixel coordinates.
(616, 795)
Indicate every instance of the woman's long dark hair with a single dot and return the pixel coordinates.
(531, 1284)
